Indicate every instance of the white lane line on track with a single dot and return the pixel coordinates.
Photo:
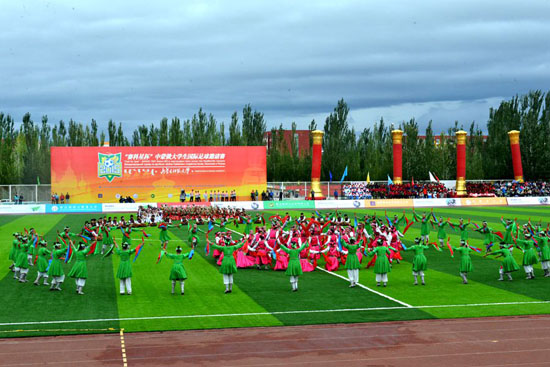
(367, 288)
(271, 313)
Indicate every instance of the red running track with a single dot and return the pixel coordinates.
(488, 342)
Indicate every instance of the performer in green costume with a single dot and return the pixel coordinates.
(352, 262)
(228, 267)
(124, 272)
(544, 252)
(466, 265)
(42, 263)
(177, 273)
(55, 272)
(382, 265)
(294, 269)
(508, 264)
(529, 255)
(79, 270)
(420, 263)
(424, 227)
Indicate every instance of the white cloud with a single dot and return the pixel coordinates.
(138, 61)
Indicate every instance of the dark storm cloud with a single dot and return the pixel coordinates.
(136, 62)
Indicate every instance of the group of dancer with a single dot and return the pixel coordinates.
(295, 245)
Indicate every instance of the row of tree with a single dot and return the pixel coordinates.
(25, 151)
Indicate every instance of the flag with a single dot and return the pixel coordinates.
(84, 238)
(210, 226)
(449, 246)
(49, 263)
(368, 178)
(68, 254)
(390, 223)
(138, 249)
(432, 178)
(92, 248)
(340, 243)
(344, 175)
(191, 254)
(161, 254)
(124, 233)
(147, 235)
(330, 176)
(390, 182)
(355, 223)
(437, 178)
(109, 251)
(408, 226)
(38, 180)
(412, 181)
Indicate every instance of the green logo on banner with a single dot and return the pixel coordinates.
(109, 166)
(290, 204)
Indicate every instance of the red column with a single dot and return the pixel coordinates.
(461, 163)
(516, 155)
(316, 159)
(397, 138)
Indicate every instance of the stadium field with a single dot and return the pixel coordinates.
(262, 297)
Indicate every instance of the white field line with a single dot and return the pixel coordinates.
(367, 288)
(272, 313)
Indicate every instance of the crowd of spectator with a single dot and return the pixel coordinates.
(514, 188)
(406, 191)
(61, 199)
(361, 190)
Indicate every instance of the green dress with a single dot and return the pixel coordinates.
(441, 234)
(56, 267)
(106, 240)
(488, 235)
(509, 264)
(529, 253)
(228, 263)
(420, 263)
(178, 271)
(382, 264)
(544, 248)
(508, 239)
(22, 261)
(79, 269)
(294, 266)
(463, 228)
(163, 236)
(424, 228)
(42, 262)
(125, 265)
(352, 261)
(14, 252)
(466, 265)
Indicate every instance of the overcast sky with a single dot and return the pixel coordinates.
(138, 61)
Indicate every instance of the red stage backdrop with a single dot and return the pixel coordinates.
(103, 174)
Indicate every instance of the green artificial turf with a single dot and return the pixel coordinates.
(261, 297)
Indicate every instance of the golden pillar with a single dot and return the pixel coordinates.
(461, 163)
(316, 159)
(397, 139)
